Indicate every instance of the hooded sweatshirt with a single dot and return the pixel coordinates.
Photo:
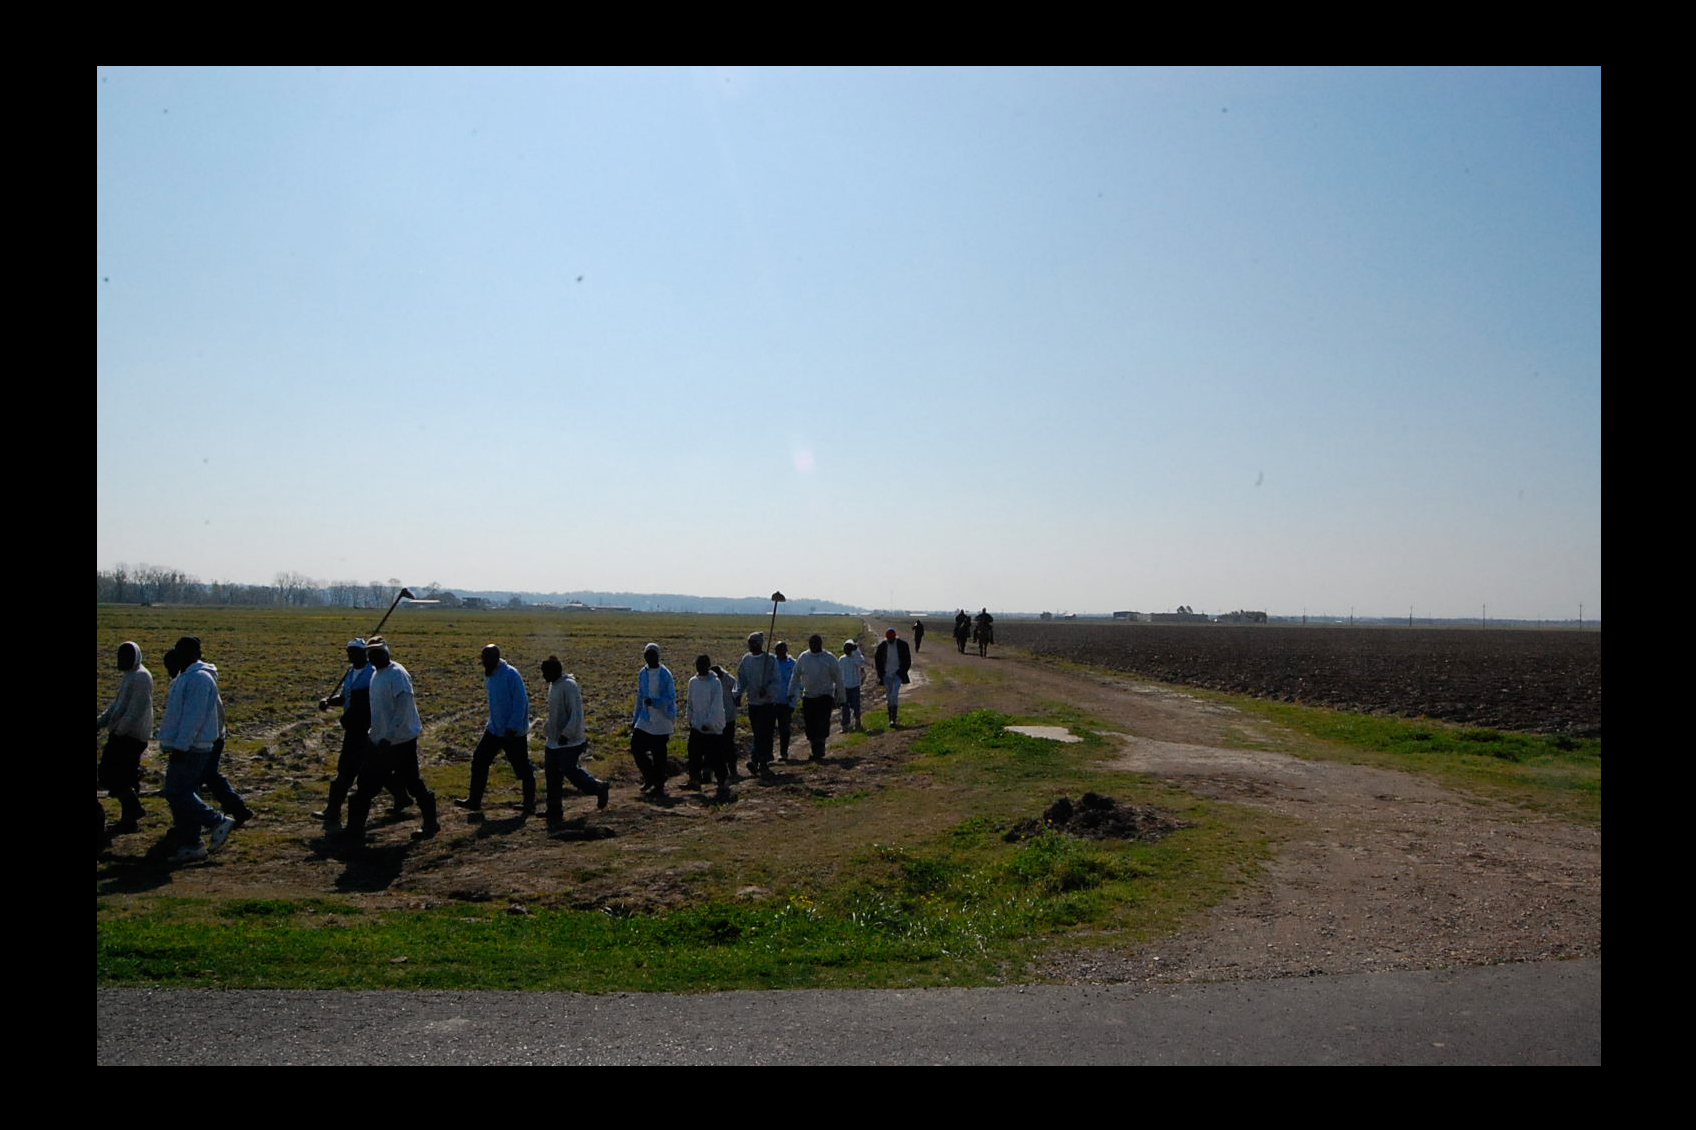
(131, 713)
(194, 714)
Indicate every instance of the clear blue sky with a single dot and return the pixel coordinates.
(1032, 339)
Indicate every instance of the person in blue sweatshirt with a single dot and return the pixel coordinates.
(508, 732)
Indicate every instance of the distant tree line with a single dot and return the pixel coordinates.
(159, 584)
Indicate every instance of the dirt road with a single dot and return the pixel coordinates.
(1385, 872)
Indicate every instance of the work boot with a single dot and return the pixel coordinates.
(331, 813)
(479, 784)
(427, 805)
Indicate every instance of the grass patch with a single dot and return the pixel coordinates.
(1549, 773)
(854, 797)
(963, 909)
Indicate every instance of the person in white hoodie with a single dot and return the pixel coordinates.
(193, 727)
(564, 740)
(130, 722)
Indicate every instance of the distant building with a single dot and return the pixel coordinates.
(1127, 615)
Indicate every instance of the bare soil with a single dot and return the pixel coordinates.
(1386, 872)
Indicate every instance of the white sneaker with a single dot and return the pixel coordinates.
(189, 853)
(219, 833)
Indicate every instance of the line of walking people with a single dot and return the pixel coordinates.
(381, 727)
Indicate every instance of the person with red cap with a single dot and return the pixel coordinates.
(893, 660)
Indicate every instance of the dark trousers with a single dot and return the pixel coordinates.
(213, 782)
(383, 765)
(707, 755)
(517, 750)
(761, 719)
(815, 718)
(560, 765)
(120, 774)
(783, 712)
(649, 752)
(354, 746)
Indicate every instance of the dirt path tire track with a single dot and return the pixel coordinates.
(1388, 870)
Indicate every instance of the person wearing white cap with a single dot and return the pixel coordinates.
(853, 674)
(393, 753)
(355, 700)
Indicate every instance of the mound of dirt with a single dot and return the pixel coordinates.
(1097, 817)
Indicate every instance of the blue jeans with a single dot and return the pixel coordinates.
(892, 691)
(560, 765)
(184, 771)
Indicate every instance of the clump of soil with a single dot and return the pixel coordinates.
(1097, 817)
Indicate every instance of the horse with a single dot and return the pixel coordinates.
(985, 635)
(962, 629)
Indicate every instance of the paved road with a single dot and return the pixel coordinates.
(1543, 1013)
